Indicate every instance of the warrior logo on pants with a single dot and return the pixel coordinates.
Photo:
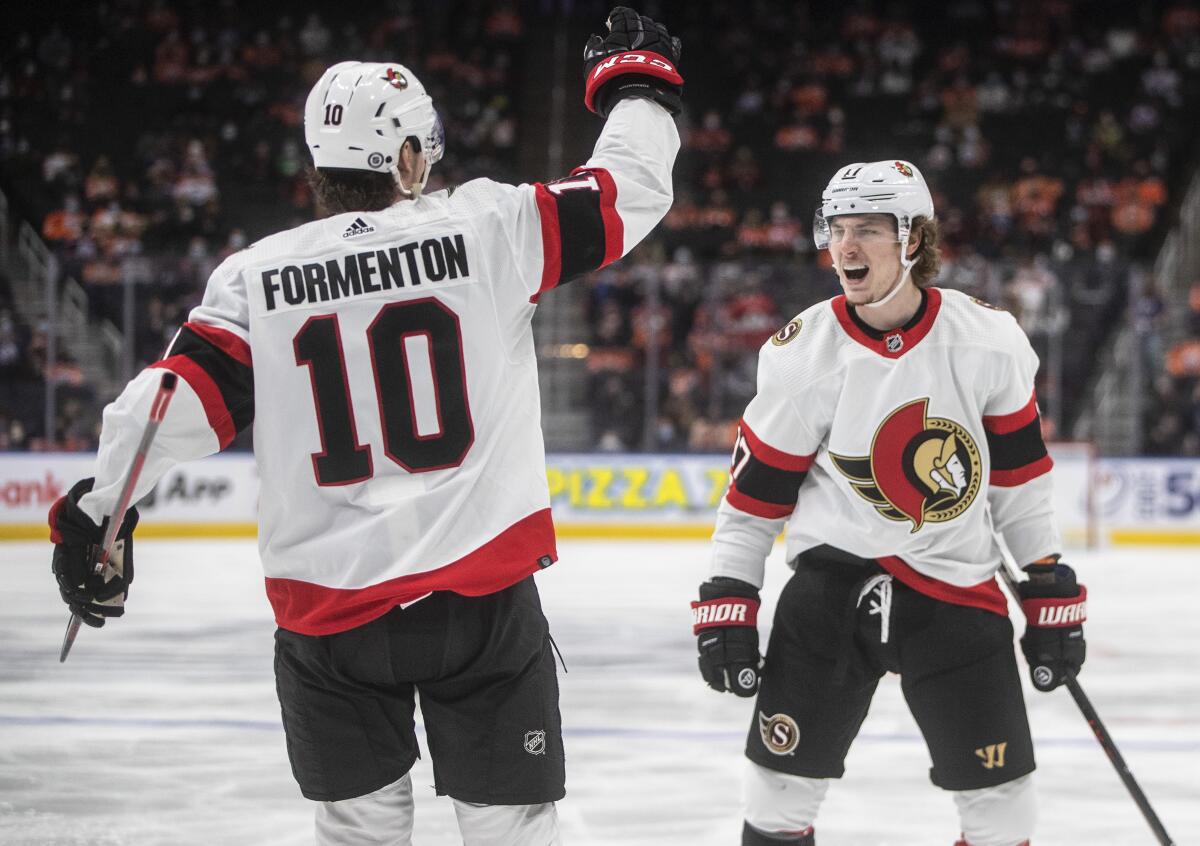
(780, 734)
(992, 755)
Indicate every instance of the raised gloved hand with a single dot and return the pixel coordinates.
(637, 58)
(76, 538)
(1055, 607)
(725, 621)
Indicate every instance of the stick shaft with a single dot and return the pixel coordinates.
(1102, 736)
(158, 410)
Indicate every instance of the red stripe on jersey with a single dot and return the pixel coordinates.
(1003, 424)
(206, 389)
(907, 338)
(614, 227)
(777, 458)
(224, 340)
(1021, 475)
(756, 507)
(986, 595)
(551, 240)
(512, 555)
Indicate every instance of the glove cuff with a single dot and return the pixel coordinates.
(71, 524)
(68, 522)
(724, 611)
(640, 62)
(1056, 612)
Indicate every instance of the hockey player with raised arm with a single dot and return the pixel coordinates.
(385, 358)
(895, 431)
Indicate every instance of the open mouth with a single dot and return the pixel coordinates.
(855, 273)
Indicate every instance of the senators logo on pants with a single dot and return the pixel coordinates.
(779, 733)
(920, 468)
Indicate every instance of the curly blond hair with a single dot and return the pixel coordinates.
(929, 255)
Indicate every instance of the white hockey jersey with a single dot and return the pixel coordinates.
(387, 362)
(910, 447)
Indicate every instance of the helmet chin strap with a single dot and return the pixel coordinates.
(411, 192)
(906, 265)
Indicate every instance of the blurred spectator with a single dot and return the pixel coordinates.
(1045, 129)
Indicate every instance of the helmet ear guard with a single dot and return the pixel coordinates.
(429, 153)
(821, 234)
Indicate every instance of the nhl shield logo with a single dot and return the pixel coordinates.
(779, 733)
(920, 469)
(535, 742)
(894, 342)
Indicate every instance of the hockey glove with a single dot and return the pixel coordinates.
(93, 597)
(1055, 607)
(725, 622)
(637, 58)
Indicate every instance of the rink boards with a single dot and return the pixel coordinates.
(1100, 501)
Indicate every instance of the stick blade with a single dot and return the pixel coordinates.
(69, 637)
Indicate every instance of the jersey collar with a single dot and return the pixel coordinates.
(895, 342)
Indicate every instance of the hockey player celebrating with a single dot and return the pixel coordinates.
(385, 357)
(894, 432)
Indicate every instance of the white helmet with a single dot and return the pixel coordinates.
(888, 187)
(360, 113)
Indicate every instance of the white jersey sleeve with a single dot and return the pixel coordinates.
(775, 448)
(1019, 489)
(597, 214)
(213, 401)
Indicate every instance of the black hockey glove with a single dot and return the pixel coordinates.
(725, 622)
(637, 58)
(94, 597)
(1055, 607)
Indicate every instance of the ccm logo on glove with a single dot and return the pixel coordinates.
(658, 66)
(724, 612)
(1057, 613)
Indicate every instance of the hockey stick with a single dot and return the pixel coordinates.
(1102, 736)
(158, 409)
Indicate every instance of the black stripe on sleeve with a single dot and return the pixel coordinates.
(581, 230)
(1018, 448)
(233, 379)
(765, 483)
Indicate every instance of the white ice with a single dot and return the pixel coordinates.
(163, 729)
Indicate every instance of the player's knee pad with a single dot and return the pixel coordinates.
(382, 818)
(780, 804)
(507, 825)
(1003, 815)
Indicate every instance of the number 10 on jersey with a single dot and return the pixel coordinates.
(402, 339)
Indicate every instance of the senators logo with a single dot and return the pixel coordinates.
(788, 332)
(779, 733)
(921, 469)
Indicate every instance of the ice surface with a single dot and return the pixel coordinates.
(163, 728)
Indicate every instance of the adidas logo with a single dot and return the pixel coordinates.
(358, 227)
